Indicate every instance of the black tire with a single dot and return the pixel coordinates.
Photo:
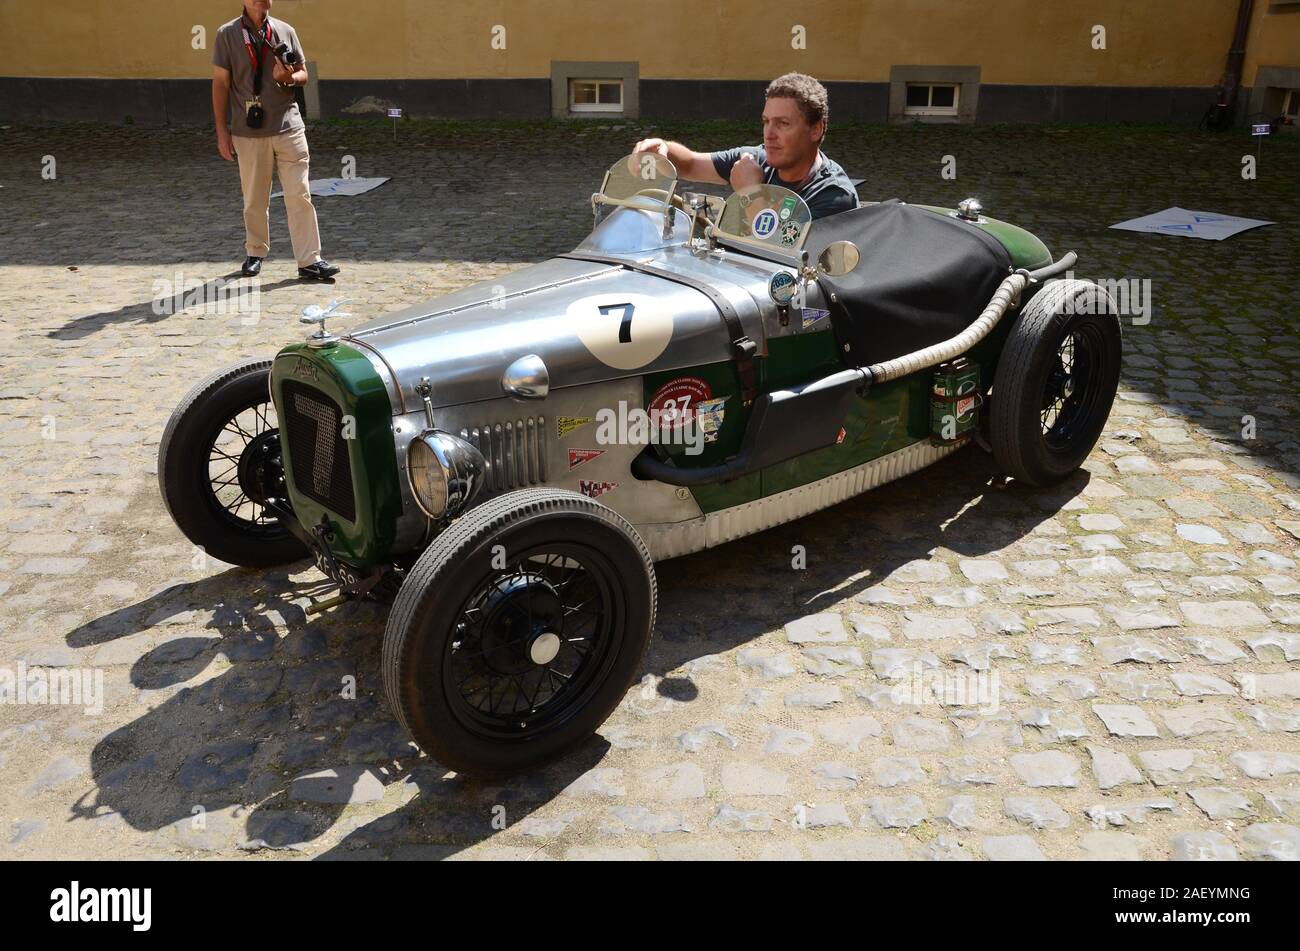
(1055, 382)
(431, 642)
(245, 534)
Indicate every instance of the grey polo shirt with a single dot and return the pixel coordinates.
(229, 52)
(828, 192)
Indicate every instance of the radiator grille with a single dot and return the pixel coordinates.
(515, 452)
(317, 450)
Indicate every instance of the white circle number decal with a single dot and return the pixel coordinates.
(624, 331)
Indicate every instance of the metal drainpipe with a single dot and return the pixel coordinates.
(1236, 59)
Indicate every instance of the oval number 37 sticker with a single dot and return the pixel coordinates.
(624, 331)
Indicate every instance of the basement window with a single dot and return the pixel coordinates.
(595, 95)
(931, 99)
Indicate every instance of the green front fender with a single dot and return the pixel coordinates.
(346, 377)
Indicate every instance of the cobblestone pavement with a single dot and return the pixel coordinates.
(1142, 621)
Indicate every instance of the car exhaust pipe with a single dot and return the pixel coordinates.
(1007, 294)
(789, 423)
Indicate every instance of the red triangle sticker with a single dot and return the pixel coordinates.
(578, 456)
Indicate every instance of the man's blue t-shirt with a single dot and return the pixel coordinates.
(828, 192)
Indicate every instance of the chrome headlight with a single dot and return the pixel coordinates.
(445, 473)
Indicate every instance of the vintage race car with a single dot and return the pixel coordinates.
(506, 463)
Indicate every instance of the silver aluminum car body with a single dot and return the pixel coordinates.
(463, 342)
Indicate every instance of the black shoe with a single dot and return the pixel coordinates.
(252, 266)
(320, 271)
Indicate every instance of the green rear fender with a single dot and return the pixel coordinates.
(1025, 249)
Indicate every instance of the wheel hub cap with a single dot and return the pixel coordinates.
(260, 471)
(522, 616)
(545, 647)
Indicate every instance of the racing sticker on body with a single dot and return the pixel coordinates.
(578, 456)
(764, 223)
(813, 314)
(624, 331)
(594, 489)
(677, 401)
(781, 288)
(567, 424)
(710, 414)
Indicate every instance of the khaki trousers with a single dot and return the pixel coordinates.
(287, 153)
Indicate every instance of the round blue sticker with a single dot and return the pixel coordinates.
(764, 223)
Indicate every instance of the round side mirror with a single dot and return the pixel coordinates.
(838, 258)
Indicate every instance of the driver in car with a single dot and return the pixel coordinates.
(794, 126)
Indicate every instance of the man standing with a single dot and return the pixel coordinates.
(267, 130)
(794, 125)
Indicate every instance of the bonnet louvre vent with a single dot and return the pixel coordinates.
(514, 450)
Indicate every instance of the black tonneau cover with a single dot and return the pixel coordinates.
(923, 277)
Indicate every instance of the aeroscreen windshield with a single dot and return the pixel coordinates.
(643, 180)
(767, 215)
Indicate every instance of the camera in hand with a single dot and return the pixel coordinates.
(254, 113)
(288, 55)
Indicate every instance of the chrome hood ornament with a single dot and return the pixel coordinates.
(315, 314)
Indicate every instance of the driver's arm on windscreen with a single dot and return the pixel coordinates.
(692, 166)
(746, 176)
(756, 204)
(699, 167)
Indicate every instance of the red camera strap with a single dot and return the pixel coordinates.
(248, 43)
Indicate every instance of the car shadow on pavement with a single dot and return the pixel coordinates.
(215, 292)
(203, 746)
(712, 600)
(259, 693)
(233, 713)
(728, 597)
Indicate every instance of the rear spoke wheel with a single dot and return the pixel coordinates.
(1055, 383)
(1071, 388)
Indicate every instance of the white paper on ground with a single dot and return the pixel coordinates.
(339, 186)
(1191, 224)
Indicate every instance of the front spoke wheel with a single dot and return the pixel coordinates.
(529, 640)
